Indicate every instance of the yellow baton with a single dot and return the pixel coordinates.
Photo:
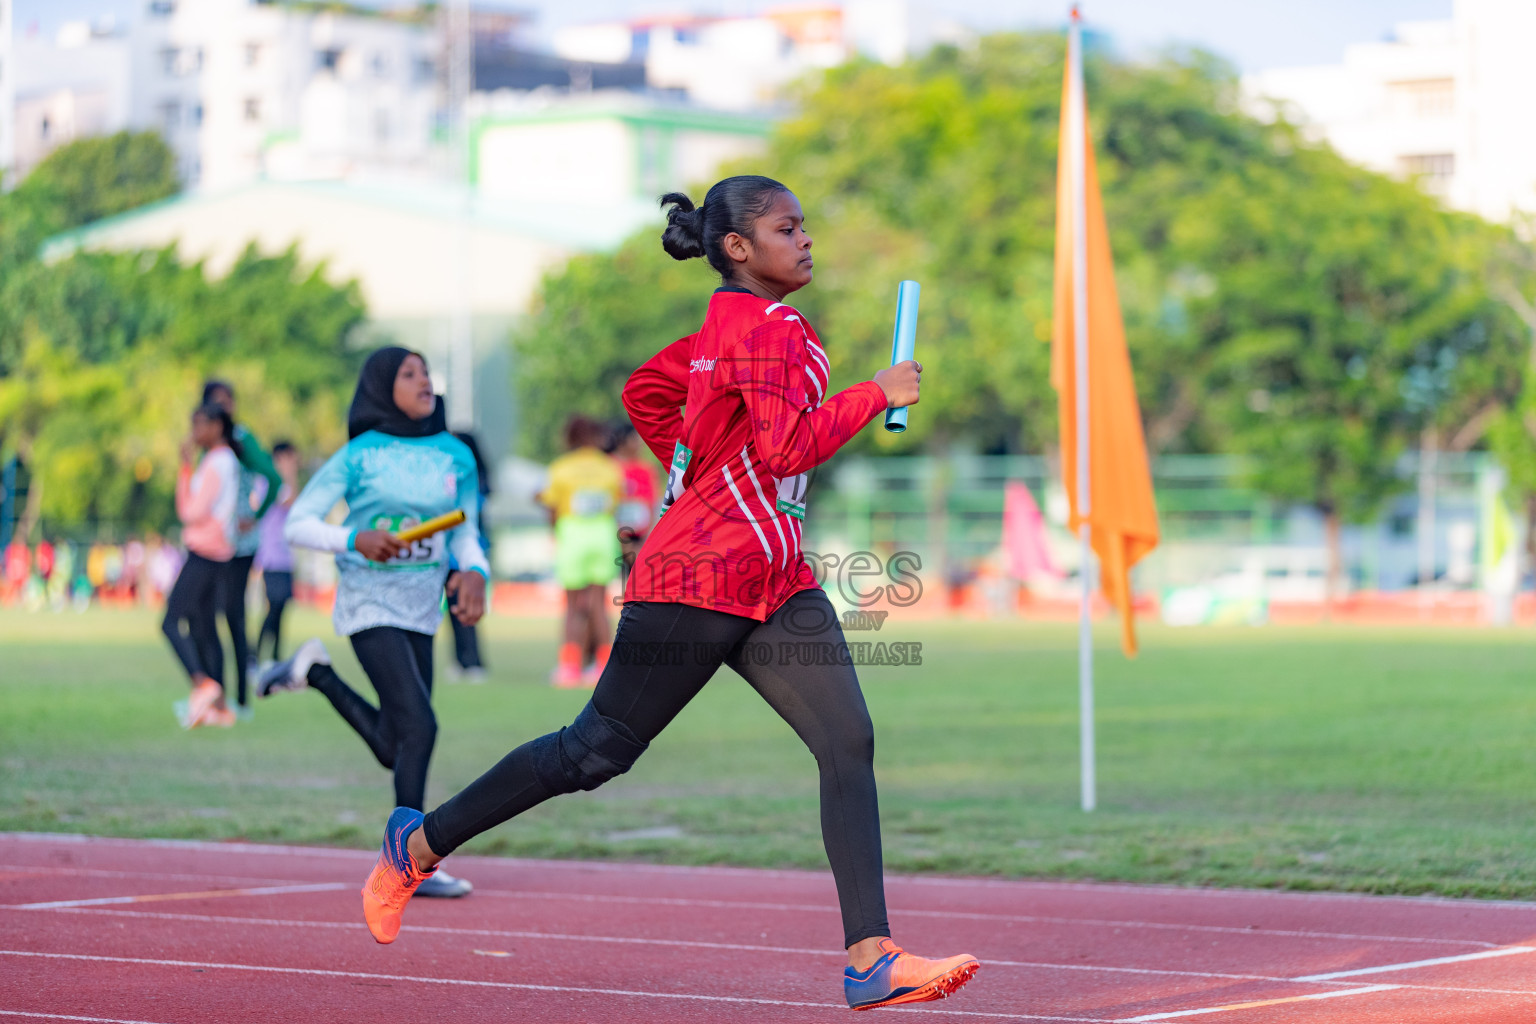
(431, 526)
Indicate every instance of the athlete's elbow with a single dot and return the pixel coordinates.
(792, 462)
(633, 397)
(293, 531)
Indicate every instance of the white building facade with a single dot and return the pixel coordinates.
(606, 151)
(1449, 103)
(7, 95)
(73, 86)
(239, 89)
(243, 89)
(743, 63)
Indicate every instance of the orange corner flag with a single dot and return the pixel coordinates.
(1120, 512)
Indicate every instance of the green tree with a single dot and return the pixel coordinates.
(97, 414)
(103, 354)
(98, 177)
(1278, 301)
(1511, 425)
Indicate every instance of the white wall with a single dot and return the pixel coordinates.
(70, 87)
(399, 255)
(587, 155)
(7, 95)
(244, 91)
(1447, 101)
(45, 121)
(592, 160)
(1497, 79)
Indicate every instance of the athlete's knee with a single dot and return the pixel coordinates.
(586, 753)
(419, 732)
(850, 742)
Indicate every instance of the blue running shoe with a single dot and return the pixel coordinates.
(394, 878)
(899, 977)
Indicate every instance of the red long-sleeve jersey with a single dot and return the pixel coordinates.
(740, 413)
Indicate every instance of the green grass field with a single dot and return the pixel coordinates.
(1370, 760)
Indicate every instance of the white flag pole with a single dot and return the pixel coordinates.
(1077, 139)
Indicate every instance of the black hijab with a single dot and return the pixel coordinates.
(373, 404)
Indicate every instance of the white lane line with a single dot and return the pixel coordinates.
(1404, 984)
(68, 1016)
(197, 846)
(741, 947)
(513, 985)
(43, 871)
(1412, 964)
(893, 880)
(159, 897)
(626, 940)
(1256, 1004)
(798, 908)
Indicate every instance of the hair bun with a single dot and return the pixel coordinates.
(683, 238)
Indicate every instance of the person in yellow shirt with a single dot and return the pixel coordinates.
(583, 494)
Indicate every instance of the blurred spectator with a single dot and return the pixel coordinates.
(164, 565)
(582, 496)
(96, 566)
(62, 574)
(18, 568)
(466, 663)
(273, 555)
(638, 504)
(134, 560)
(46, 557)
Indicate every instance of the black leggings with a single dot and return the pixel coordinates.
(402, 729)
(466, 644)
(663, 655)
(193, 600)
(237, 573)
(279, 586)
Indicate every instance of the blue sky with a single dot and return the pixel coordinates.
(1253, 34)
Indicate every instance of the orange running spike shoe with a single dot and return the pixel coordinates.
(205, 694)
(394, 878)
(899, 977)
(223, 718)
(567, 673)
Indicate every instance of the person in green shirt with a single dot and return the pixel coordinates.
(255, 465)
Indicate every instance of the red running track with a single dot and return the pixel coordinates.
(165, 932)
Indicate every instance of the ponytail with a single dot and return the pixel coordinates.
(684, 237)
(731, 206)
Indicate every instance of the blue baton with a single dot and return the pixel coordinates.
(902, 344)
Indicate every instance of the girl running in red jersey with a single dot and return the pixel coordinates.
(740, 411)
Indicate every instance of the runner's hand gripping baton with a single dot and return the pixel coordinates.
(431, 526)
(902, 344)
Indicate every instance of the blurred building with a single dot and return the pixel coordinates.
(7, 93)
(244, 89)
(507, 59)
(400, 243)
(72, 86)
(741, 63)
(1445, 102)
(239, 89)
(602, 149)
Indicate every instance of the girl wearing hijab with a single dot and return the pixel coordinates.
(401, 467)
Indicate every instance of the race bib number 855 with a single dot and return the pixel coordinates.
(424, 552)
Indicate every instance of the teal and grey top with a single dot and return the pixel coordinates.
(390, 483)
(255, 464)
